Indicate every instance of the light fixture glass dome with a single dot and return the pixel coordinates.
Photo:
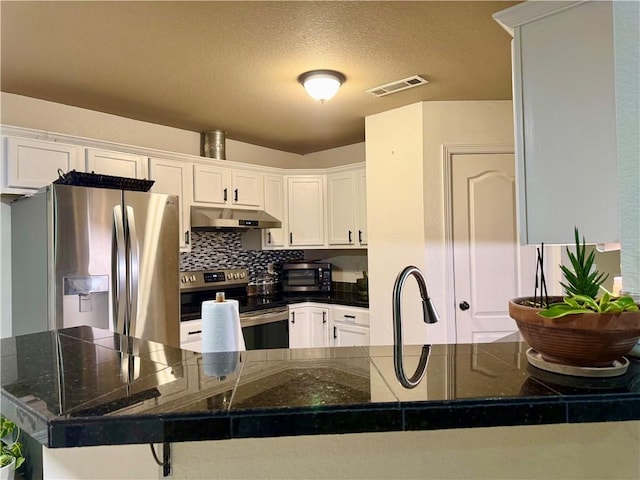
(321, 84)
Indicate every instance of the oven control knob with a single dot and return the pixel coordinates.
(242, 274)
(236, 275)
(229, 276)
(192, 279)
(183, 279)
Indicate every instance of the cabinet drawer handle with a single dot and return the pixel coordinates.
(350, 316)
(224, 194)
(235, 195)
(194, 332)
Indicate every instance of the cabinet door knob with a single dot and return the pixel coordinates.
(464, 306)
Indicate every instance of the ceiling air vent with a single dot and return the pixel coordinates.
(397, 86)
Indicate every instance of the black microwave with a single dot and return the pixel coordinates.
(306, 277)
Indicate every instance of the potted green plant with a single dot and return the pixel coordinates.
(11, 457)
(588, 327)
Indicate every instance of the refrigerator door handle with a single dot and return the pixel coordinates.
(134, 263)
(119, 271)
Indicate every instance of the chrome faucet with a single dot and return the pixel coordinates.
(430, 315)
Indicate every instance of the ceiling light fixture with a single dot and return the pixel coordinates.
(322, 84)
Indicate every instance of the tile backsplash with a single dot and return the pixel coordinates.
(223, 249)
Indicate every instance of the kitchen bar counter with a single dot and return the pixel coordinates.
(84, 386)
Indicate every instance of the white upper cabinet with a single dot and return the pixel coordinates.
(565, 124)
(247, 188)
(305, 211)
(226, 187)
(274, 206)
(361, 206)
(174, 177)
(115, 163)
(211, 184)
(347, 209)
(341, 207)
(32, 164)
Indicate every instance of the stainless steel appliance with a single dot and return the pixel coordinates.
(306, 277)
(101, 257)
(263, 318)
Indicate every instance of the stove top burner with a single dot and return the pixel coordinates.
(199, 286)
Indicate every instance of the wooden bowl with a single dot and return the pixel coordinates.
(583, 339)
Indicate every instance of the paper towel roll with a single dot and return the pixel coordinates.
(221, 330)
(220, 364)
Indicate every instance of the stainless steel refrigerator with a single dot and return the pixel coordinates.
(94, 256)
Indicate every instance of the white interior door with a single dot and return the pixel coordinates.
(488, 262)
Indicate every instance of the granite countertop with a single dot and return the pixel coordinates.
(85, 386)
(336, 297)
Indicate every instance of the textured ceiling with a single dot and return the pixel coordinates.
(233, 65)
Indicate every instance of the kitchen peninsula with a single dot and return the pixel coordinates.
(83, 387)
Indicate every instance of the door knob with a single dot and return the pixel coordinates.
(464, 305)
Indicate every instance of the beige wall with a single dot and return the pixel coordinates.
(567, 452)
(405, 183)
(395, 216)
(582, 451)
(334, 157)
(26, 112)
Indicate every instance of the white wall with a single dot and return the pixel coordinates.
(333, 157)
(405, 187)
(395, 219)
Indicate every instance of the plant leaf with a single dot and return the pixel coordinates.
(560, 310)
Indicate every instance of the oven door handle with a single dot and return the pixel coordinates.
(250, 319)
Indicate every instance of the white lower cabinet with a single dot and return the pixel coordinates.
(349, 335)
(349, 326)
(308, 326)
(191, 335)
(318, 325)
(33, 164)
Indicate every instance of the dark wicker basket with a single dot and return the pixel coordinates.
(83, 179)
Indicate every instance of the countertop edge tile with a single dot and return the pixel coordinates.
(317, 422)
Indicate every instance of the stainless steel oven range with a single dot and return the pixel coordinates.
(264, 318)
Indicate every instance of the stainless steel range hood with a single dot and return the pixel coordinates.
(205, 219)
